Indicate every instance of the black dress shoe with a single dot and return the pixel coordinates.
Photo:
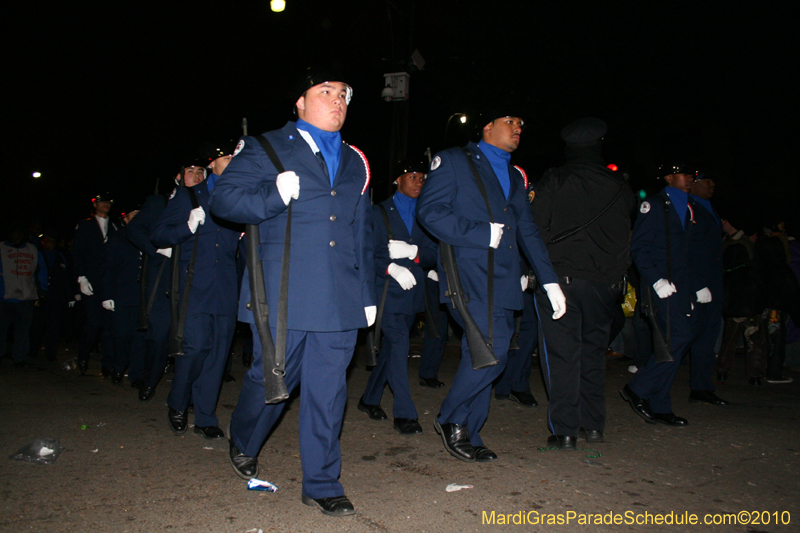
(706, 396)
(523, 398)
(407, 426)
(83, 366)
(228, 377)
(178, 421)
(146, 393)
(117, 377)
(484, 455)
(209, 432)
(591, 435)
(562, 442)
(456, 441)
(640, 407)
(335, 506)
(246, 467)
(431, 382)
(137, 384)
(755, 381)
(375, 412)
(670, 419)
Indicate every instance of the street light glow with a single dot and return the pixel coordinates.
(37, 174)
(463, 119)
(277, 5)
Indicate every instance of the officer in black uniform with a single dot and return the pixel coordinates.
(91, 236)
(583, 211)
(121, 270)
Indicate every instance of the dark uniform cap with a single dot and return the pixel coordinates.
(314, 76)
(103, 197)
(584, 131)
(219, 148)
(411, 165)
(674, 168)
(700, 175)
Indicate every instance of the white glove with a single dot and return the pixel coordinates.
(288, 186)
(497, 234)
(523, 281)
(432, 274)
(71, 304)
(197, 217)
(86, 287)
(401, 250)
(557, 299)
(371, 313)
(703, 295)
(664, 288)
(78, 297)
(166, 252)
(108, 305)
(403, 276)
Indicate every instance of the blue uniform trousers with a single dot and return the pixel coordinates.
(198, 372)
(433, 348)
(573, 355)
(703, 349)
(98, 321)
(319, 361)
(654, 381)
(156, 343)
(128, 342)
(467, 402)
(392, 366)
(517, 374)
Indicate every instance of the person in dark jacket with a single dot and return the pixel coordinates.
(583, 210)
(121, 270)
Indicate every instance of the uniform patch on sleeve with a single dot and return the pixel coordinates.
(645, 207)
(436, 162)
(366, 167)
(238, 147)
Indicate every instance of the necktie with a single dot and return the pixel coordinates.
(324, 165)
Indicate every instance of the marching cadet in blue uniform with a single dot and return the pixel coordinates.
(121, 270)
(402, 260)
(211, 313)
(456, 211)
(707, 254)
(91, 236)
(676, 278)
(157, 313)
(331, 286)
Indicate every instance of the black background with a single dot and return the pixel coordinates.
(114, 96)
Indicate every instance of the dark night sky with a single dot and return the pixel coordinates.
(113, 97)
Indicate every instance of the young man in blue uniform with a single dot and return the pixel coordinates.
(707, 245)
(88, 249)
(676, 277)
(331, 286)
(402, 260)
(453, 209)
(211, 312)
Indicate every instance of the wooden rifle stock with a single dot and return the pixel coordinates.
(480, 351)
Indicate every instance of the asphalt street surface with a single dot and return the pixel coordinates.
(122, 469)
